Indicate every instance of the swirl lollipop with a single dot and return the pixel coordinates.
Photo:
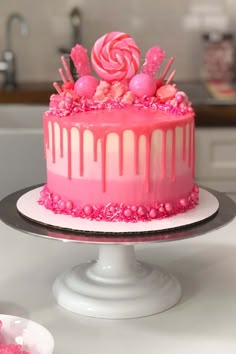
(115, 57)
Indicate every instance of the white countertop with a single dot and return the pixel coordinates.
(204, 321)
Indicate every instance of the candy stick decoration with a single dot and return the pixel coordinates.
(172, 75)
(64, 79)
(153, 59)
(67, 70)
(167, 68)
(57, 87)
(80, 59)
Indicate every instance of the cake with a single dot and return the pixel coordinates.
(119, 141)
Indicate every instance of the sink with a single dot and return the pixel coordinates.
(22, 161)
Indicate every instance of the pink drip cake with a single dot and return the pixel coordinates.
(119, 143)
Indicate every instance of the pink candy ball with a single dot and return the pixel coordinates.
(141, 211)
(183, 202)
(168, 207)
(153, 213)
(56, 198)
(112, 209)
(127, 212)
(86, 86)
(69, 205)
(143, 85)
(47, 203)
(62, 205)
(43, 194)
(88, 209)
(179, 97)
(194, 196)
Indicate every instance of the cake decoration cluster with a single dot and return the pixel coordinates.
(115, 58)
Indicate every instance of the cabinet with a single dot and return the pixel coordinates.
(21, 147)
(216, 158)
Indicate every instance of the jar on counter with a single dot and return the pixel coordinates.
(218, 64)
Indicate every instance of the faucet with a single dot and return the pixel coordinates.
(8, 62)
(76, 37)
(75, 19)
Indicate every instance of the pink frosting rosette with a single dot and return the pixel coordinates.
(115, 57)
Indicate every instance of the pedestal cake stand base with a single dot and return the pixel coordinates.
(116, 286)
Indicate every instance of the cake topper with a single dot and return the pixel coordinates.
(81, 60)
(153, 60)
(115, 57)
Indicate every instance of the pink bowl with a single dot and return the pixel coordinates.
(33, 337)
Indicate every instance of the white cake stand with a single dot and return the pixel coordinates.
(116, 285)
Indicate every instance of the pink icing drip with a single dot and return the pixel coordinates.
(118, 212)
(148, 157)
(136, 157)
(163, 169)
(193, 152)
(81, 152)
(61, 142)
(103, 153)
(190, 146)
(53, 142)
(95, 147)
(121, 154)
(184, 142)
(173, 150)
(69, 153)
(45, 129)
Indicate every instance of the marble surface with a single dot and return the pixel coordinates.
(202, 322)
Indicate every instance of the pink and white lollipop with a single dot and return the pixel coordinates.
(115, 57)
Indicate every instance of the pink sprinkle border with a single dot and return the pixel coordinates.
(118, 212)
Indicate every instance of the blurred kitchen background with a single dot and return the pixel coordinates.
(199, 34)
(176, 26)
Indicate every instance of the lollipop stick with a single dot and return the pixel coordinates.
(167, 68)
(172, 75)
(57, 87)
(64, 79)
(67, 70)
